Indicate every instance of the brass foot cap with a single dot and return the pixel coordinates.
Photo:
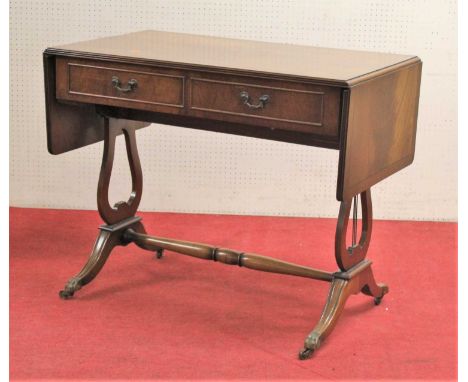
(66, 294)
(305, 353)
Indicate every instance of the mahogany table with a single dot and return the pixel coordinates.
(363, 104)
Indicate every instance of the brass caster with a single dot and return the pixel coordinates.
(305, 353)
(159, 253)
(378, 300)
(66, 294)
(71, 287)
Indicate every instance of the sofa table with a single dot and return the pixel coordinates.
(363, 104)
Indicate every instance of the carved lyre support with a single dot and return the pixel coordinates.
(347, 257)
(123, 227)
(355, 276)
(121, 216)
(123, 209)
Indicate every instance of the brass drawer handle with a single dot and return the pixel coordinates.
(131, 85)
(262, 100)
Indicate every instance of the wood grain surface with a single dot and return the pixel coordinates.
(363, 103)
(379, 136)
(338, 66)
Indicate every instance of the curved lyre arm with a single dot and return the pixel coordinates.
(124, 209)
(348, 257)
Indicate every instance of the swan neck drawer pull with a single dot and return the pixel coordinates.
(131, 85)
(262, 100)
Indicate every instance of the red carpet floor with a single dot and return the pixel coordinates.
(181, 318)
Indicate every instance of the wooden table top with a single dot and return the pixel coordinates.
(336, 66)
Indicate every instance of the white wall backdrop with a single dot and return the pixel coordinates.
(193, 171)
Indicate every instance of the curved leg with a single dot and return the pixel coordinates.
(356, 274)
(358, 279)
(103, 246)
(340, 290)
(371, 288)
(109, 237)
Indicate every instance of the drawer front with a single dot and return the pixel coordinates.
(259, 102)
(119, 85)
(281, 105)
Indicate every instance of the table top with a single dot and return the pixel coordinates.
(338, 66)
(363, 103)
